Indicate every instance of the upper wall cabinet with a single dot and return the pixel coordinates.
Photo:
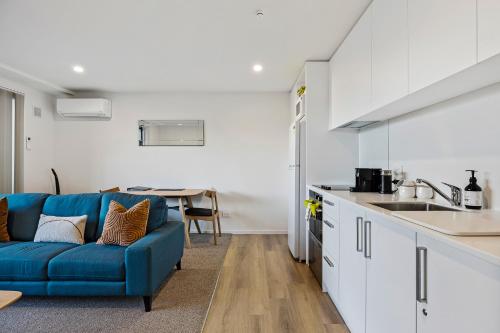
(351, 74)
(405, 55)
(389, 51)
(442, 36)
(488, 14)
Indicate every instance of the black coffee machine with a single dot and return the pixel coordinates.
(367, 180)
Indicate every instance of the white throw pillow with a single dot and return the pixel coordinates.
(61, 229)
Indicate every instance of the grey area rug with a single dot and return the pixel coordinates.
(180, 306)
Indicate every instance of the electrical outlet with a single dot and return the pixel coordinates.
(224, 213)
(28, 143)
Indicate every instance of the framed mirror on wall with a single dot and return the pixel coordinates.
(171, 133)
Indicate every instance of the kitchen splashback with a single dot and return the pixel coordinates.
(440, 142)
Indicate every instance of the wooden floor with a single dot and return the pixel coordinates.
(262, 289)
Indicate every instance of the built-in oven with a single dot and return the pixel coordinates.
(315, 239)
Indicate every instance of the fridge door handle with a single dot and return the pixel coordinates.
(422, 274)
(368, 239)
(359, 234)
(329, 203)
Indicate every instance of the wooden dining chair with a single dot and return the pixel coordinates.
(111, 190)
(206, 214)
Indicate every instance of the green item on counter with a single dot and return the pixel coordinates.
(313, 205)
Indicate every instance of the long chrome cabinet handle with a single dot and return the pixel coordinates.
(368, 239)
(359, 234)
(328, 261)
(421, 274)
(329, 203)
(328, 224)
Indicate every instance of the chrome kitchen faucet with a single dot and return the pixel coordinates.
(456, 192)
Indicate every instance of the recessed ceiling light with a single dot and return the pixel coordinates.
(78, 69)
(257, 68)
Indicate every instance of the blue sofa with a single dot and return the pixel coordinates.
(64, 269)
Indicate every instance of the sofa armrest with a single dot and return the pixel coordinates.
(149, 261)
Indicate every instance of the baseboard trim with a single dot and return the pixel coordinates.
(257, 232)
(246, 232)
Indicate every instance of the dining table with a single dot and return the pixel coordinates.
(186, 194)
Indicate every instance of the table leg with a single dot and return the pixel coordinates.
(186, 223)
(190, 205)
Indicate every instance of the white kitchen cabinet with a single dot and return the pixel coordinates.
(442, 39)
(488, 26)
(462, 294)
(351, 74)
(391, 276)
(331, 237)
(389, 51)
(331, 207)
(352, 269)
(331, 276)
(331, 247)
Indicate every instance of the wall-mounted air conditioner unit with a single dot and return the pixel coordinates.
(84, 107)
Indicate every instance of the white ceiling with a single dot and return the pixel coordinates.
(174, 45)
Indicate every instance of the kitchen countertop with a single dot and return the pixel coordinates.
(428, 223)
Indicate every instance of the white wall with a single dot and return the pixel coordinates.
(39, 160)
(244, 157)
(374, 146)
(438, 143)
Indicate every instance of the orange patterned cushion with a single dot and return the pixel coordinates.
(122, 226)
(4, 208)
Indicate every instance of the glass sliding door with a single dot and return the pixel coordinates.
(11, 117)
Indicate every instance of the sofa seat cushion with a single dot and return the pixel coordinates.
(28, 261)
(4, 244)
(89, 262)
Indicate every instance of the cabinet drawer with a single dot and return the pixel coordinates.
(331, 277)
(331, 207)
(331, 237)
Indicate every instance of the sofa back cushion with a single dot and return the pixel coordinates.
(158, 210)
(77, 205)
(23, 215)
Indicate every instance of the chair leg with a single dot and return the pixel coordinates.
(189, 225)
(218, 222)
(197, 226)
(215, 231)
(148, 302)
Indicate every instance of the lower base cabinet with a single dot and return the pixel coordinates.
(331, 276)
(390, 278)
(461, 293)
(352, 284)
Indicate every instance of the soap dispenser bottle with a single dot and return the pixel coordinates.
(473, 194)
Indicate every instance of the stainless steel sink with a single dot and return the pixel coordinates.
(412, 206)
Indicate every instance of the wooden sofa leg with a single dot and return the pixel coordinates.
(148, 302)
(179, 265)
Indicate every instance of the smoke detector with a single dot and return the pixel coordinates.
(260, 13)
